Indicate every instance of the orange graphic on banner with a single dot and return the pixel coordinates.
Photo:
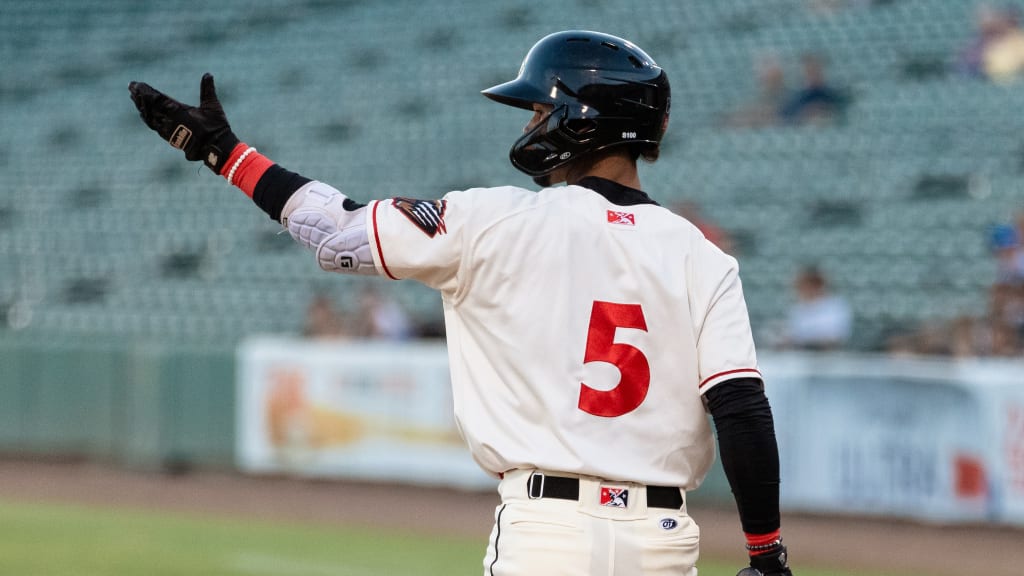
(293, 421)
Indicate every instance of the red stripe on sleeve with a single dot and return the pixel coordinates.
(376, 239)
(727, 372)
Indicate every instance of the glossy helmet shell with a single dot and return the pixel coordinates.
(605, 92)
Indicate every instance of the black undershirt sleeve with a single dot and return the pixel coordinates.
(750, 455)
(277, 185)
(274, 189)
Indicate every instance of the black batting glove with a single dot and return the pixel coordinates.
(771, 562)
(202, 132)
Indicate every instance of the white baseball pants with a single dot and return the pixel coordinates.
(553, 537)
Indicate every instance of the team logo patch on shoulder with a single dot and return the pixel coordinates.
(621, 218)
(614, 497)
(427, 215)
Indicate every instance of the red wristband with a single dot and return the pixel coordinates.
(244, 167)
(233, 156)
(761, 543)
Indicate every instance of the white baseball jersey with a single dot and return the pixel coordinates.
(582, 330)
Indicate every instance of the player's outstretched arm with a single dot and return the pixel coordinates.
(750, 458)
(316, 215)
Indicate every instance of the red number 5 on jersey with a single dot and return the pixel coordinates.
(634, 371)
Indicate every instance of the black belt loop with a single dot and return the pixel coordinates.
(535, 489)
(540, 485)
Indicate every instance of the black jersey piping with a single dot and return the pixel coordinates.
(497, 536)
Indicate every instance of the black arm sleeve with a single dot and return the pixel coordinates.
(274, 189)
(750, 455)
(277, 185)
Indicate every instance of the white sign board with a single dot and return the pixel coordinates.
(364, 411)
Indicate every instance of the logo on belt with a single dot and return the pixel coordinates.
(614, 497)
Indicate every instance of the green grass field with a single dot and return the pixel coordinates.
(63, 540)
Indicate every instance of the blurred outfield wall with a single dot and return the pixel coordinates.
(150, 407)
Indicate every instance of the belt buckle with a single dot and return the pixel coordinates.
(538, 492)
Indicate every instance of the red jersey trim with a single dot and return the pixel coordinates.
(376, 239)
(727, 372)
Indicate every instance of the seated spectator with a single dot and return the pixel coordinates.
(818, 101)
(1006, 314)
(322, 320)
(381, 318)
(764, 109)
(988, 26)
(1004, 55)
(997, 50)
(819, 320)
(1005, 245)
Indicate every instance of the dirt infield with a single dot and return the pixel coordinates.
(904, 547)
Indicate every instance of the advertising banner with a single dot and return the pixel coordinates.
(363, 411)
(937, 440)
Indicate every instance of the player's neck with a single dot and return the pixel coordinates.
(618, 168)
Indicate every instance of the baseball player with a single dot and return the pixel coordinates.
(590, 330)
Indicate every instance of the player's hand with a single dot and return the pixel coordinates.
(201, 132)
(774, 562)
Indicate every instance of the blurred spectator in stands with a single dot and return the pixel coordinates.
(909, 339)
(1005, 244)
(998, 332)
(1018, 226)
(997, 50)
(764, 110)
(1006, 298)
(719, 237)
(323, 320)
(381, 317)
(1006, 315)
(986, 336)
(819, 320)
(818, 101)
(988, 27)
(968, 337)
(1004, 56)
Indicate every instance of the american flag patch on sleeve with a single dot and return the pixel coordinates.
(427, 215)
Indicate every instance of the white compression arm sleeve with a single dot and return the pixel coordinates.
(316, 217)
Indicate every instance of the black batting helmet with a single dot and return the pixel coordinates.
(605, 91)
